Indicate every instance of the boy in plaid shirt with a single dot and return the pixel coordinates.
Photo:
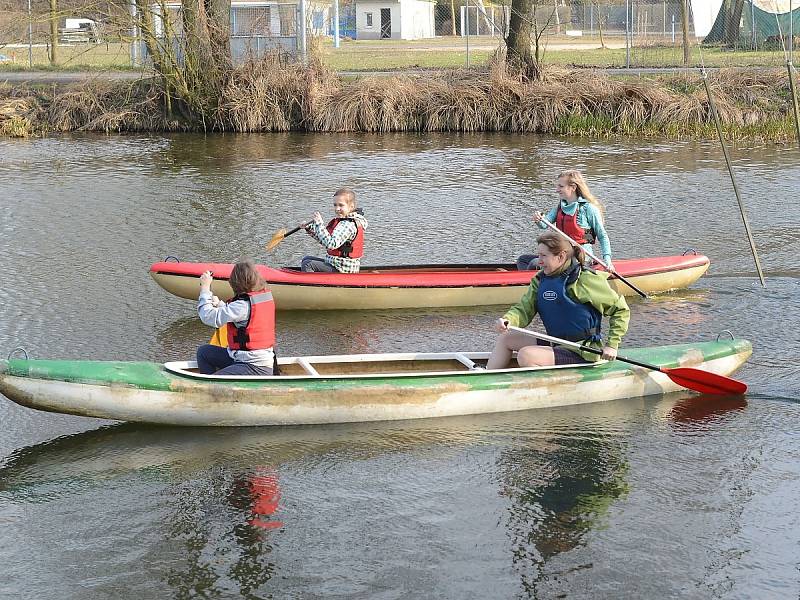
(342, 237)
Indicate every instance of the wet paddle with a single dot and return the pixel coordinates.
(698, 380)
(282, 233)
(593, 257)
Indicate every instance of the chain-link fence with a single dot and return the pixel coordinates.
(378, 35)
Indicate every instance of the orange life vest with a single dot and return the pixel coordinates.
(351, 249)
(258, 333)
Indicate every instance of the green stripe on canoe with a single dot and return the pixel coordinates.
(153, 376)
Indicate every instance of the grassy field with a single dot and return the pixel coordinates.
(443, 52)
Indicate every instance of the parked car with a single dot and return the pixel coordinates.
(4, 58)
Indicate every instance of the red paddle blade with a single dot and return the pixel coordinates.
(705, 382)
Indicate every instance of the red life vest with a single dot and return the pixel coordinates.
(258, 332)
(351, 249)
(569, 225)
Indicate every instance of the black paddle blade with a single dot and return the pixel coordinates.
(705, 382)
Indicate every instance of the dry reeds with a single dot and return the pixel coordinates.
(270, 94)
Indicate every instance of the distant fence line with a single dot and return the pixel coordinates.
(649, 30)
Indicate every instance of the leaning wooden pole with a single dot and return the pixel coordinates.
(733, 178)
(791, 69)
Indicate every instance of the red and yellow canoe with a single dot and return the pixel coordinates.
(418, 286)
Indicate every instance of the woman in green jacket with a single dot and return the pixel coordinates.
(571, 301)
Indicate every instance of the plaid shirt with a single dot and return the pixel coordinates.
(344, 231)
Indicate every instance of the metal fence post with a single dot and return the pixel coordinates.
(30, 36)
(335, 23)
(134, 34)
(466, 11)
(303, 31)
(627, 35)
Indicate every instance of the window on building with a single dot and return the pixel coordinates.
(288, 18)
(369, 19)
(249, 21)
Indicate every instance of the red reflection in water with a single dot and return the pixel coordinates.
(266, 495)
(705, 407)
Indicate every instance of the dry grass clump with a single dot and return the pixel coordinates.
(17, 113)
(270, 94)
(111, 107)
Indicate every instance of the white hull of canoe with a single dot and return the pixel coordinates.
(199, 404)
(315, 297)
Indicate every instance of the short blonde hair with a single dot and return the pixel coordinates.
(348, 195)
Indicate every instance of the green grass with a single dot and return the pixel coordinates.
(437, 53)
(83, 57)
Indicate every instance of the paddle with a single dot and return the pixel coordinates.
(282, 233)
(592, 256)
(698, 380)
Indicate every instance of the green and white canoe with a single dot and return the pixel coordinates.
(345, 388)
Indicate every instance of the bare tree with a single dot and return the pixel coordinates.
(685, 28)
(53, 32)
(524, 50)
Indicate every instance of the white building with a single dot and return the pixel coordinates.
(395, 19)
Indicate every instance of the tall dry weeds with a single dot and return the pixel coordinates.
(271, 94)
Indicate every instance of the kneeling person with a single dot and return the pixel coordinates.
(250, 319)
(571, 301)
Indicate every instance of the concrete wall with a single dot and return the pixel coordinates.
(411, 19)
(373, 32)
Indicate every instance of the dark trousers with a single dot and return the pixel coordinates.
(214, 360)
(316, 264)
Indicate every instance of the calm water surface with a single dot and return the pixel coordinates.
(668, 497)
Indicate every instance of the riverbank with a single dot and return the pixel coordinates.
(265, 96)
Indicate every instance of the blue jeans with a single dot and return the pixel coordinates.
(316, 265)
(214, 360)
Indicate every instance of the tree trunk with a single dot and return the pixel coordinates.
(685, 27)
(600, 29)
(735, 20)
(521, 37)
(53, 32)
(453, 15)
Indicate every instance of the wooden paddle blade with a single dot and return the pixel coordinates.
(705, 382)
(276, 239)
(220, 337)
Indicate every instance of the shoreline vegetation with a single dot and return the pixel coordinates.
(269, 95)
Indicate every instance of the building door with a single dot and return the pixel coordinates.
(386, 23)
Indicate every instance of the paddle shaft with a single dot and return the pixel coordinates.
(296, 229)
(593, 257)
(695, 379)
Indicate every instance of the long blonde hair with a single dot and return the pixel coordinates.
(576, 178)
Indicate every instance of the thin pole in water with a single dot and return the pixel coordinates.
(791, 69)
(718, 125)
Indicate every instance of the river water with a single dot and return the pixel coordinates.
(674, 496)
